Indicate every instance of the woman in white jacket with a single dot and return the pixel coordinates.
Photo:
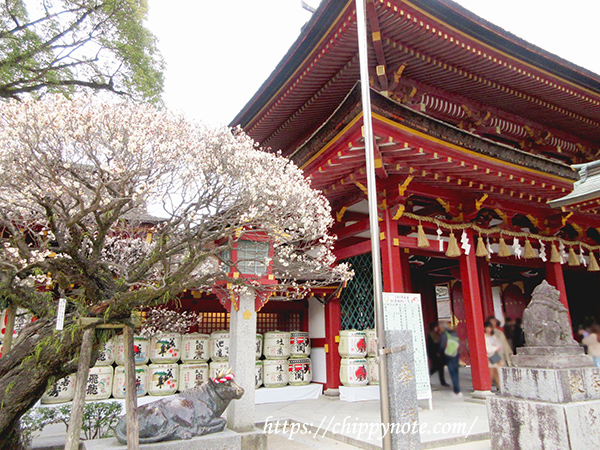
(493, 347)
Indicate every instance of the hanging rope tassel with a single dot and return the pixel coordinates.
(422, 241)
(453, 250)
(481, 251)
(554, 255)
(593, 267)
(503, 249)
(573, 259)
(529, 251)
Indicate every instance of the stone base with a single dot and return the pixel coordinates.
(551, 385)
(551, 357)
(517, 424)
(225, 440)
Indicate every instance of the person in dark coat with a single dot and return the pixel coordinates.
(435, 355)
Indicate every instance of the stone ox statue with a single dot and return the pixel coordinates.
(194, 412)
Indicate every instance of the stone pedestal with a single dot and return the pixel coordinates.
(242, 348)
(551, 399)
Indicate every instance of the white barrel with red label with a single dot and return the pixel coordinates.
(276, 372)
(258, 374)
(371, 342)
(192, 375)
(299, 344)
(372, 370)
(163, 379)
(141, 381)
(218, 366)
(106, 355)
(353, 344)
(219, 345)
(259, 346)
(141, 350)
(99, 383)
(61, 391)
(353, 372)
(276, 345)
(165, 348)
(195, 347)
(300, 371)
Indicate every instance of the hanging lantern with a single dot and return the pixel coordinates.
(503, 250)
(593, 267)
(529, 252)
(453, 250)
(422, 241)
(481, 250)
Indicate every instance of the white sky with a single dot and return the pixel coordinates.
(219, 52)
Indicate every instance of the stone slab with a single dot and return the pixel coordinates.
(567, 350)
(552, 362)
(517, 424)
(225, 440)
(402, 391)
(551, 385)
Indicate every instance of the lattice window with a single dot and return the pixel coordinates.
(266, 322)
(213, 321)
(356, 299)
(295, 322)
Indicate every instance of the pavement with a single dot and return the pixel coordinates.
(329, 423)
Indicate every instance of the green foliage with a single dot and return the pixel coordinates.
(34, 421)
(99, 418)
(64, 45)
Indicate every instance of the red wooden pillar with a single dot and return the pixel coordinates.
(333, 323)
(474, 318)
(555, 277)
(485, 285)
(396, 271)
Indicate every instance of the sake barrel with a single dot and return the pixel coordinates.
(259, 345)
(192, 375)
(276, 372)
(371, 342)
(165, 348)
(106, 355)
(61, 391)
(219, 345)
(195, 347)
(99, 383)
(353, 372)
(276, 345)
(299, 344)
(217, 366)
(258, 374)
(141, 381)
(353, 344)
(141, 350)
(163, 379)
(372, 370)
(300, 371)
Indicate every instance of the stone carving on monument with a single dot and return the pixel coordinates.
(550, 399)
(194, 412)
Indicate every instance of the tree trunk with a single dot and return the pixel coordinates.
(39, 354)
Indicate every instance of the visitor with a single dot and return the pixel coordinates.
(518, 337)
(435, 355)
(493, 347)
(506, 351)
(592, 342)
(450, 347)
(509, 328)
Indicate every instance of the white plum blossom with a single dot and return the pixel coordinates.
(124, 206)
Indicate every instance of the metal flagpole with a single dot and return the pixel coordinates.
(373, 218)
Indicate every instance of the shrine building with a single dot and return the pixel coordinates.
(475, 133)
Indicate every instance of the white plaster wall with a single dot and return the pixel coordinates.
(317, 356)
(316, 319)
